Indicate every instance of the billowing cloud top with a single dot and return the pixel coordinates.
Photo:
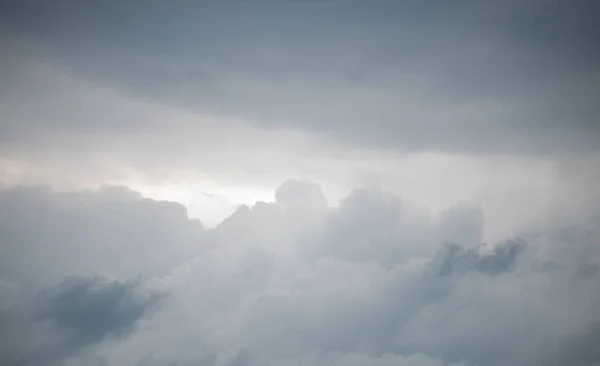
(293, 282)
(455, 221)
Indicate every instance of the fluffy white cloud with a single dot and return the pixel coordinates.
(293, 282)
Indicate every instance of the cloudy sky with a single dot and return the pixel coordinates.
(299, 182)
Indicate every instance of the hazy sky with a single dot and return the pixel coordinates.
(300, 182)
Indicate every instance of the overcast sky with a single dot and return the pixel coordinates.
(300, 182)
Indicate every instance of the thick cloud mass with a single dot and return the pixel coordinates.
(500, 76)
(484, 111)
(113, 231)
(294, 282)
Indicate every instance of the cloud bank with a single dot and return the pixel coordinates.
(460, 77)
(373, 281)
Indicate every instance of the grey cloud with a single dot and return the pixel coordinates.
(296, 282)
(377, 225)
(242, 358)
(17, 335)
(455, 259)
(548, 266)
(90, 309)
(112, 231)
(294, 193)
(413, 76)
(202, 361)
(578, 349)
(340, 304)
(64, 321)
(589, 270)
(462, 224)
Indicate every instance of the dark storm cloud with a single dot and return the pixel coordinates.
(410, 75)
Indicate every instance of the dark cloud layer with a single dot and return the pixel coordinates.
(499, 76)
(295, 282)
(74, 315)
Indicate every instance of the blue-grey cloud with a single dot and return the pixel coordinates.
(74, 315)
(89, 310)
(455, 259)
(412, 75)
(579, 348)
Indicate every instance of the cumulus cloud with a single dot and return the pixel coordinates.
(114, 231)
(292, 282)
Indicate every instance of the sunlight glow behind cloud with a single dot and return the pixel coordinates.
(299, 183)
(209, 202)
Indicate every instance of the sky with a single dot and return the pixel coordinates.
(299, 182)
